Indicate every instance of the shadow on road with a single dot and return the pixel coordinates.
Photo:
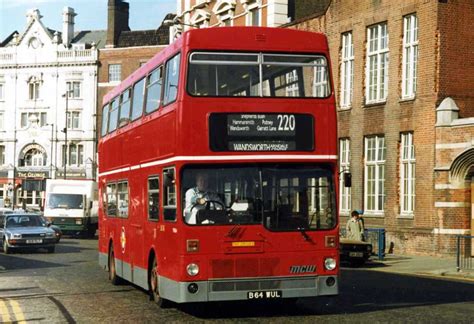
(359, 293)
(17, 262)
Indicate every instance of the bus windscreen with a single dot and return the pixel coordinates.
(258, 75)
(281, 197)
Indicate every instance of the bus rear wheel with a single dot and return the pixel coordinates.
(154, 286)
(114, 279)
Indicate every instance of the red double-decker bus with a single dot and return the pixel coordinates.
(218, 169)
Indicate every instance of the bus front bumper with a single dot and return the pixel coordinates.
(248, 288)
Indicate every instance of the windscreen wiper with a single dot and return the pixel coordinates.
(304, 234)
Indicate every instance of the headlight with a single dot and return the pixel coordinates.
(330, 264)
(78, 221)
(49, 234)
(16, 236)
(192, 269)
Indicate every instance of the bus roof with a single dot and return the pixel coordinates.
(265, 39)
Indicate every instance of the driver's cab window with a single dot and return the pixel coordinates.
(169, 194)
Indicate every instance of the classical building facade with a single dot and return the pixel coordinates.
(403, 76)
(48, 91)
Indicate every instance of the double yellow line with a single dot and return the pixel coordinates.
(10, 311)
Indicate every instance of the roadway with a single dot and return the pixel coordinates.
(69, 287)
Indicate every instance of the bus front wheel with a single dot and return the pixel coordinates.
(154, 286)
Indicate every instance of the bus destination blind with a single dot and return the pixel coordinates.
(258, 132)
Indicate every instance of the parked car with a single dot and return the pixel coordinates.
(21, 230)
(55, 228)
(353, 251)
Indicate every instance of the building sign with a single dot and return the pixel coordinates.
(261, 132)
(32, 174)
(30, 147)
(71, 174)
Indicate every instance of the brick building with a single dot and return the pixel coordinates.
(403, 76)
(215, 13)
(125, 50)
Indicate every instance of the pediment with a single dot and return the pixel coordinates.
(35, 36)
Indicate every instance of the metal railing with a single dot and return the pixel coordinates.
(465, 252)
(376, 236)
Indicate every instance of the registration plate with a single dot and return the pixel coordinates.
(356, 254)
(34, 241)
(266, 294)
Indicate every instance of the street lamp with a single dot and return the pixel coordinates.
(51, 155)
(66, 95)
(177, 21)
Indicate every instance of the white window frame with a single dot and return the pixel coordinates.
(291, 79)
(377, 64)
(2, 91)
(41, 115)
(73, 89)
(115, 72)
(407, 175)
(251, 11)
(2, 120)
(321, 81)
(74, 120)
(33, 90)
(347, 70)
(344, 166)
(2, 155)
(410, 56)
(374, 174)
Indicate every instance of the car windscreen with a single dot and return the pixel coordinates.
(68, 201)
(23, 221)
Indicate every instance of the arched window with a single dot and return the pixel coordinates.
(34, 157)
(200, 18)
(224, 10)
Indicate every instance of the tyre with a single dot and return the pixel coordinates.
(154, 286)
(114, 279)
(6, 249)
(51, 249)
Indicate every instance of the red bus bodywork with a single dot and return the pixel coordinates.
(235, 262)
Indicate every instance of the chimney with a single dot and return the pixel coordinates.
(32, 14)
(68, 25)
(117, 21)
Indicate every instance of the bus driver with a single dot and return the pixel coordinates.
(198, 197)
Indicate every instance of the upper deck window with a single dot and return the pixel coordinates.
(171, 80)
(105, 119)
(113, 117)
(153, 92)
(137, 102)
(253, 74)
(124, 107)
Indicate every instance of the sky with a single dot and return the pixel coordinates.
(91, 14)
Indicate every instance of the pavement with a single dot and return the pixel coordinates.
(428, 266)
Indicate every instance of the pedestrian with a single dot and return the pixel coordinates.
(361, 220)
(355, 227)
